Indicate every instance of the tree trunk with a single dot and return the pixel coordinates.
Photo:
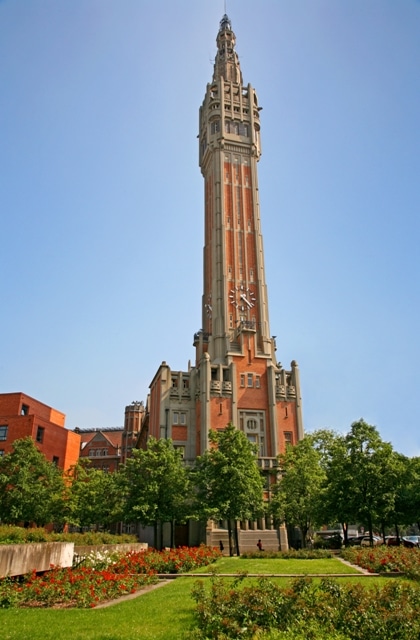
(345, 532)
(304, 536)
(230, 537)
(236, 538)
(173, 534)
(155, 534)
(370, 530)
(383, 532)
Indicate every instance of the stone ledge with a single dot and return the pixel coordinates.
(18, 559)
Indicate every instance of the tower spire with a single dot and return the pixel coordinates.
(226, 64)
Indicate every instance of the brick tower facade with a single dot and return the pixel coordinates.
(236, 376)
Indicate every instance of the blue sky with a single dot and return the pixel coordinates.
(101, 198)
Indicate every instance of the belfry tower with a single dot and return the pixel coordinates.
(236, 376)
(240, 379)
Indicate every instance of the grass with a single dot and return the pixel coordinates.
(163, 614)
(278, 565)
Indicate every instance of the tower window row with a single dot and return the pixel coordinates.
(231, 126)
(179, 417)
(98, 452)
(238, 128)
(251, 380)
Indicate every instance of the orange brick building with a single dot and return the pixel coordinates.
(22, 416)
(109, 447)
(236, 376)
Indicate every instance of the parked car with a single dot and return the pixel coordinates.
(355, 541)
(411, 541)
(406, 541)
(366, 541)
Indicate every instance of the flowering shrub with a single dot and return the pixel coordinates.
(86, 586)
(383, 559)
(83, 587)
(326, 609)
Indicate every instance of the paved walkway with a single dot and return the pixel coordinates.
(131, 596)
(355, 566)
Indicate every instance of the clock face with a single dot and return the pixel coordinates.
(243, 298)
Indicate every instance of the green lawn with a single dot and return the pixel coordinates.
(278, 565)
(163, 614)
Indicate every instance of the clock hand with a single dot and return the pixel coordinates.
(243, 297)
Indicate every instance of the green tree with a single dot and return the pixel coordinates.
(298, 494)
(156, 487)
(228, 480)
(336, 505)
(371, 464)
(32, 489)
(407, 502)
(94, 497)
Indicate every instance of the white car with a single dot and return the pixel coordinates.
(366, 541)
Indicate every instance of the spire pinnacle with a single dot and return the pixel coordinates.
(226, 64)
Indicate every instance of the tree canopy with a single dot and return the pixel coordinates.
(94, 497)
(156, 485)
(228, 480)
(297, 495)
(31, 488)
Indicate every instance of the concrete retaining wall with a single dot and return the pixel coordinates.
(81, 552)
(17, 559)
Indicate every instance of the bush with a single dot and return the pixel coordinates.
(93, 538)
(299, 554)
(383, 559)
(10, 534)
(333, 542)
(308, 609)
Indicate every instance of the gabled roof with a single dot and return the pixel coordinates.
(113, 438)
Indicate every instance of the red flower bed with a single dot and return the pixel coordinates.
(179, 560)
(385, 559)
(87, 586)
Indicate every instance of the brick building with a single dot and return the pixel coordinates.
(22, 416)
(109, 447)
(236, 376)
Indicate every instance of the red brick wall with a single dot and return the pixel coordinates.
(57, 442)
(11, 404)
(179, 432)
